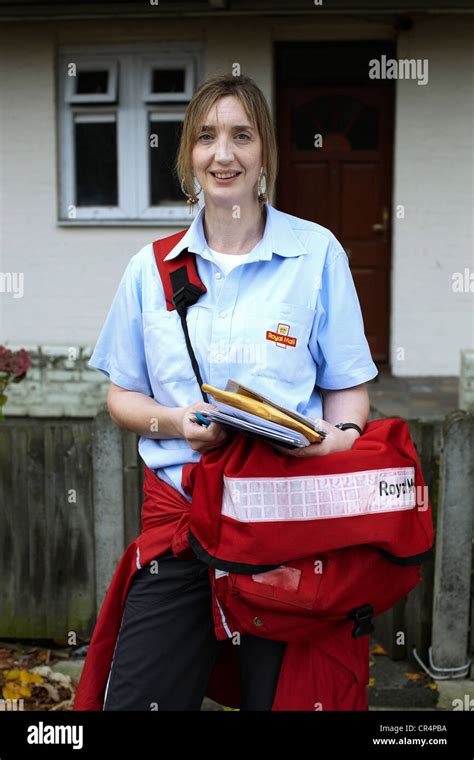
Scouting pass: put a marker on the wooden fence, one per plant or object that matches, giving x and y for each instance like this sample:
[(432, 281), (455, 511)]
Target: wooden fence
[(63, 523), (71, 492)]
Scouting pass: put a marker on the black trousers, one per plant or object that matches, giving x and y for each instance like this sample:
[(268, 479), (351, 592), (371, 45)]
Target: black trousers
[(166, 648)]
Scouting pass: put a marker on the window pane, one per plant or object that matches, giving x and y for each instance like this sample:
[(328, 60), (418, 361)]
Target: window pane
[(92, 82), (168, 80), (331, 116), (364, 134), (96, 163), (164, 141)]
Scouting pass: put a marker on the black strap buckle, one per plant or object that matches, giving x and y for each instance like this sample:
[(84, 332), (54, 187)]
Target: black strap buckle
[(186, 295), (363, 620)]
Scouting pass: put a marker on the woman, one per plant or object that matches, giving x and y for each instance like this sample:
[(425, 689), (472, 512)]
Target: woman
[(265, 272)]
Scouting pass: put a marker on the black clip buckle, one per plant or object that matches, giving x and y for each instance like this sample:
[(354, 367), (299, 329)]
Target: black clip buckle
[(186, 295), (363, 620)]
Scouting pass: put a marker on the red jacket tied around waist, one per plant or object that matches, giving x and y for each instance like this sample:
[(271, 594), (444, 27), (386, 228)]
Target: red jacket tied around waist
[(303, 550)]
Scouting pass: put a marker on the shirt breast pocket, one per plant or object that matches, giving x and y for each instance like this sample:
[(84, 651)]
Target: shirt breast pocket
[(278, 336), (165, 345)]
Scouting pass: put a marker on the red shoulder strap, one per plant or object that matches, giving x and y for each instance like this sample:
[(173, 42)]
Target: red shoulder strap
[(187, 259)]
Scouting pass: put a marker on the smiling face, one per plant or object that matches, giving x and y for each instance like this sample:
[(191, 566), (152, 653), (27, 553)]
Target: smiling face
[(227, 155)]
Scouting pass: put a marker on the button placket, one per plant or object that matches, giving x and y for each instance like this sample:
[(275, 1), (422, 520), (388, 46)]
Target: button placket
[(221, 329)]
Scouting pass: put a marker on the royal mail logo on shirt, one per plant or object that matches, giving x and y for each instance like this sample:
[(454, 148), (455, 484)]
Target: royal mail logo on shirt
[(282, 336)]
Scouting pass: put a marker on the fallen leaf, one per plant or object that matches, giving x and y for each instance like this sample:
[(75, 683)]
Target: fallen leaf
[(61, 677), (28, 677), (378, 649), (415, 676), (52, 691), (43, 670), (15, 691), (11, 675), (6, 658)]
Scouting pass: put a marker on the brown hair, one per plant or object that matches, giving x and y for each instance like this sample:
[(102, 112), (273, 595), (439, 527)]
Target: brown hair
[(256, 107)]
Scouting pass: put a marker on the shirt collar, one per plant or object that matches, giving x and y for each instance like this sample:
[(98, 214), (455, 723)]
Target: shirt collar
[(278, 238)]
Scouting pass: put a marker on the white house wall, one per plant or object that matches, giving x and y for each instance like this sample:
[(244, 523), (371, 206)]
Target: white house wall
[(433, 182)]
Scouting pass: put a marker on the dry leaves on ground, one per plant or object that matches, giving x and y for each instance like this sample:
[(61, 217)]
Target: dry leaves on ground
[(26, 676)]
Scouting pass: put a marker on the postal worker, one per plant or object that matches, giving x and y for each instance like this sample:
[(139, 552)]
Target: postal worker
[(266, 273)]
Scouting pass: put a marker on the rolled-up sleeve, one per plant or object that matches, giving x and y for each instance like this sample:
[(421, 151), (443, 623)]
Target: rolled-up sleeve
[(337, 341), (119, 352)]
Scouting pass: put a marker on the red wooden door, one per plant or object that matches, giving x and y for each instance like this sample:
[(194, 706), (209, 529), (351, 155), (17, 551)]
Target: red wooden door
[(335, 151)]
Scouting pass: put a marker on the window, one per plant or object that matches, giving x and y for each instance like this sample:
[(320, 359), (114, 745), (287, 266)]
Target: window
[(120, 118), (349, 119)]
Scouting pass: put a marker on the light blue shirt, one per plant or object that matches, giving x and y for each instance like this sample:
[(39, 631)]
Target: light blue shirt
[(285, 322)]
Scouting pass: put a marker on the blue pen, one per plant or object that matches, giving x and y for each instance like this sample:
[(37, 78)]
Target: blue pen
[(202, 420)]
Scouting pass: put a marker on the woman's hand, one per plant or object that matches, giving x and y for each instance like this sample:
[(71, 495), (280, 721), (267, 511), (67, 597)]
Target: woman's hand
[(200, 437), (336, 440)]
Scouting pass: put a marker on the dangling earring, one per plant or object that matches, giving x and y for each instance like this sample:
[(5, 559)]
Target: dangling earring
[(192, 199), (262, 191)]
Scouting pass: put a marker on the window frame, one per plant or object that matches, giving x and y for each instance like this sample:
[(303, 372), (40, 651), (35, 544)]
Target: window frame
[(92, 64), (132, 114), (148, 211), (148, 63)]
